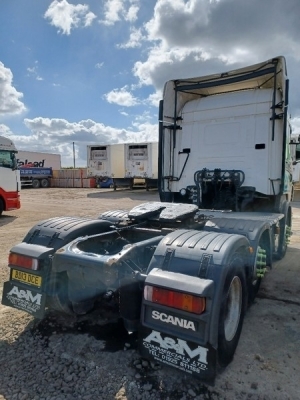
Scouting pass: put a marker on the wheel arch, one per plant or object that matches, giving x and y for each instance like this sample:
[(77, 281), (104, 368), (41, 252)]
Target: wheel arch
[(57, 232)]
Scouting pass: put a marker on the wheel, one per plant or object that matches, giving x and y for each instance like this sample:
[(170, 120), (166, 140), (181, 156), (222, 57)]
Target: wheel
[(1, 206), (233, 307), (285, 225), (45, 183), (57, 289), (259, 270), (36, 183)]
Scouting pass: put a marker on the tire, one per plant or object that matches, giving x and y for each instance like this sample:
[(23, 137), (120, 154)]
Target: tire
[(263, 258), (285, 225), (233, 307), (36, 183), (58, 299), (45, 183), (1, 207)]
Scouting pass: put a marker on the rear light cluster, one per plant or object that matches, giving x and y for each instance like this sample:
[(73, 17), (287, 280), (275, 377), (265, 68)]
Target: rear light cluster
[(171, 298), (18, 260)]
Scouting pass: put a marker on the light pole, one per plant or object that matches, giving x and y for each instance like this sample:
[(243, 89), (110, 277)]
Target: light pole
[(74, 155)]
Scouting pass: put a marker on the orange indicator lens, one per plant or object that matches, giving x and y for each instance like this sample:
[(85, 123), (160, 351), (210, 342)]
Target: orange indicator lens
[(23, 261)]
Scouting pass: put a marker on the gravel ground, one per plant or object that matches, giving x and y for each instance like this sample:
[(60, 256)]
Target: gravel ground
[(61, 358)]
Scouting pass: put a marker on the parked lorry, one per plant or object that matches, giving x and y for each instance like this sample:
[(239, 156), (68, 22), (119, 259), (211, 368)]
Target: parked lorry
[(141, 162), (35, 159), (35, 177), (295, 141), (9, 176), (105, 162), (180, 272)]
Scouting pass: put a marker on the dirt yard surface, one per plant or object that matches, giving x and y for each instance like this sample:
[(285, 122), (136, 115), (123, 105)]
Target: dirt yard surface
[(60, 359)]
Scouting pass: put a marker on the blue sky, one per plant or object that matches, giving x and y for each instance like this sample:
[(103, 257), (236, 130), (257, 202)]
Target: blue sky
[(93, 71)]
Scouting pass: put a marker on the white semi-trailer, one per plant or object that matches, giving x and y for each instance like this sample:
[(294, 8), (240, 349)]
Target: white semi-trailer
[(105, 161), (141, 162), (182, 271), (295, 149), (35, 159)]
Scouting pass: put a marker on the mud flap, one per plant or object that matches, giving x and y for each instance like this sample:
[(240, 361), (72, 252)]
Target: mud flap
[(30, 300), (189, 357), (174, 336)]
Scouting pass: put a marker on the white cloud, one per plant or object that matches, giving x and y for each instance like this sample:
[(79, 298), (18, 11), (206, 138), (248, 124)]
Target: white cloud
[(154, 98), (10, 98), (124, 113), (131, 14), (208, 26), (112, 11), (66, 16), (135, 39), (165, 63), (33, 71), (173, 17), (122, 97), (116, 10), (5, 131), (99, 65)]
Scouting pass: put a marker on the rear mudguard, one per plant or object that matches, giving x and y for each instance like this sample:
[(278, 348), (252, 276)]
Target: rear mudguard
[(202, 257), (41, 242), (56, 233), (195, 263), (25, 289), (176, 337)]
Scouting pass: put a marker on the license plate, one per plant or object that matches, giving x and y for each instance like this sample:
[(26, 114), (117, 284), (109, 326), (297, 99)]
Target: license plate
[(24, 277)]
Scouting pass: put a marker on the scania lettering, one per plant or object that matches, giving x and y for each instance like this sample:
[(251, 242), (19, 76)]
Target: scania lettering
[(169, 319), (9, 176), (182, 271)]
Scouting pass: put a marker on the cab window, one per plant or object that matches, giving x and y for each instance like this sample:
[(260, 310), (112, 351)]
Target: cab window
[(7, 159)]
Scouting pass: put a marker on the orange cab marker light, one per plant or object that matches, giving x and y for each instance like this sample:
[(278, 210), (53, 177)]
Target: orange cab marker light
[(171, 298), (18, 260)]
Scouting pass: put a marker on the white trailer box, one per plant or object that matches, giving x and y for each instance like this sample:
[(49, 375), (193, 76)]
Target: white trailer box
[(105, 161), (40, 160), (295, 152), (141, 160)]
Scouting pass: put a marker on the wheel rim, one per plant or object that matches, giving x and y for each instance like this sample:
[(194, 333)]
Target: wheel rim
[(233, 308), (260, 264)]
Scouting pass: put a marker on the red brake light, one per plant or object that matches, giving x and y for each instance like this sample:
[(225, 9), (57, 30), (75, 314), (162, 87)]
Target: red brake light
[(23, 261), (171, 298)]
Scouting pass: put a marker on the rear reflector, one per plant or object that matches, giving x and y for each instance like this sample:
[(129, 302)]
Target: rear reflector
[(18, 260), (171, 298)]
